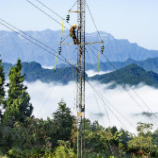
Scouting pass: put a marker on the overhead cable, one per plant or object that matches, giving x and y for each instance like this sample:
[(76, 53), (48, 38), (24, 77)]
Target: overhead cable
[(93, 19), (124, 87), (127, 83), (108, 101), (46, 14), (104, 123), (50, 9), (64, 59)]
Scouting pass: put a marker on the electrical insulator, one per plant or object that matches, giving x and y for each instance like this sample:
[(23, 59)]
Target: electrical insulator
[(60, 49), (82, 109), (68, 18), (102, 49)]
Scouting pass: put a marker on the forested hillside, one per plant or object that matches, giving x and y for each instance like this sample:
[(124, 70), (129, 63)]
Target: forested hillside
[(150, 64), (23, 135), (131, 74)]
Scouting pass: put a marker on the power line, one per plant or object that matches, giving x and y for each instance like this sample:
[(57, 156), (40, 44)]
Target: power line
[(73, 6), (64, 60), (54, 11), (103, 122), (46, 14), (31, 36), (93, 19), (110, 103), (100, 91), (113, 106), (121, 84), (49, 9), (103, 98), (28, 35), (127, 83)]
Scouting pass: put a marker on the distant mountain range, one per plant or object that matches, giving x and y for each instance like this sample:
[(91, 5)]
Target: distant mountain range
[(131, 74), (150, 64), (33, 72), (13, 46)]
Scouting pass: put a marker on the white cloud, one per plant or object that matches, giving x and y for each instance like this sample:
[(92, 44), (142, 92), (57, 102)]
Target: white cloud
[(92, 73), (48, 67), (53, 93)]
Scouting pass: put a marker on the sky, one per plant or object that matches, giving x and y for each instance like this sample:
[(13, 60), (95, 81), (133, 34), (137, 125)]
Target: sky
[(135, 20)]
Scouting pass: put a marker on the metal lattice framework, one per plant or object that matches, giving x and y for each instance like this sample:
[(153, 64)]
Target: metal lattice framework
[(80, 99)]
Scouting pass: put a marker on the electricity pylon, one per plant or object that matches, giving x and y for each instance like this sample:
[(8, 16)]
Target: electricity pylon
[(80, 76), (80, 100)]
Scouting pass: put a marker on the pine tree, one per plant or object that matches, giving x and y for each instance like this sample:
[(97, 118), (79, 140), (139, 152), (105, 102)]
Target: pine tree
[(2, 91), (63, 121), (17, 106)]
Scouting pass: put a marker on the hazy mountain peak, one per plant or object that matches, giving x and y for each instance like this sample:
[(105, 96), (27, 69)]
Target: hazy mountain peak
[(13, 46), (104, 35)]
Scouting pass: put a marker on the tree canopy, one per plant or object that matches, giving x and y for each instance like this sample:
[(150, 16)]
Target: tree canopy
[(17, 105)]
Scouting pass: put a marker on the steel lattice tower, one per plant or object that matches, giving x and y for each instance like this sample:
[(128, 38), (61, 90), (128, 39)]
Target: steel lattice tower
[(80, 75), (80, 99)]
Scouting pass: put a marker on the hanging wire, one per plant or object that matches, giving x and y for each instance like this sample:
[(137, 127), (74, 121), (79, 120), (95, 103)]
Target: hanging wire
[(64, 59), (103, 99), (125, 89), (126, 82), (100, 91), (109, 102), (73, 6), (26, 35), (106, 111), (93, 19), (54, 11), (103, 122), (47, 14), (112, 105), (50, 9)]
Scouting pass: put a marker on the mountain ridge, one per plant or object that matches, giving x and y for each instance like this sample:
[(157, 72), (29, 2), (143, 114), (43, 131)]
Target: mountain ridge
[(131, 74), (148, 64), (12, 47)]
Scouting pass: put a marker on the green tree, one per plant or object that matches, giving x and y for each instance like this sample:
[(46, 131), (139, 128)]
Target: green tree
[(17, 106), (64, 150), (142, 144), (144, 129), (63, 123), (2, 91)]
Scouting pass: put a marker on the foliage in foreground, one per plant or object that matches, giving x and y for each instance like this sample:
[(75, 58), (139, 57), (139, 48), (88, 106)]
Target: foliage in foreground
[(24, 136)]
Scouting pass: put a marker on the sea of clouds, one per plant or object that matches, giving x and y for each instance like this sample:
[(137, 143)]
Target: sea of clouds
[(92, 73), (46, 96)]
